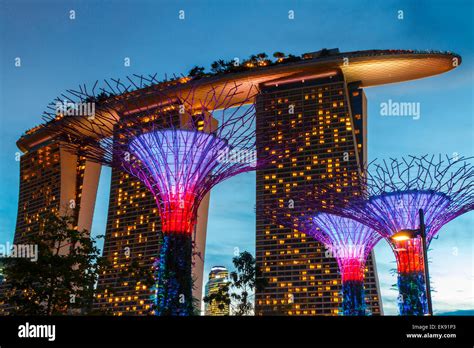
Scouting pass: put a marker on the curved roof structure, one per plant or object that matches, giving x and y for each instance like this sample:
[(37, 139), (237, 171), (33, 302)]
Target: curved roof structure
[(369, 68)]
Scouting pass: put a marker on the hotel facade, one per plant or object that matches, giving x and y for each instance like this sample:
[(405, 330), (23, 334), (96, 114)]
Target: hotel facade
[(326, 121)]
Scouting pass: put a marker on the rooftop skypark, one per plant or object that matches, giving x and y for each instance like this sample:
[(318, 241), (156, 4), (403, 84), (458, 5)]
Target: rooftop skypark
[(370, 67)]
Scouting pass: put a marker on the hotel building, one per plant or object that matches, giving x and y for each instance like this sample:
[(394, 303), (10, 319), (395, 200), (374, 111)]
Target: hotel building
[(54, 180), (326, 122)]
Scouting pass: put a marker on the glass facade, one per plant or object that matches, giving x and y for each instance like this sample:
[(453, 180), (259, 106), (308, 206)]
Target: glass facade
[(218, 277)]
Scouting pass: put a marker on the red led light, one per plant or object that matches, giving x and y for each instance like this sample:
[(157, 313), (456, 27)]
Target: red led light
[(178, 215), (351, 269)]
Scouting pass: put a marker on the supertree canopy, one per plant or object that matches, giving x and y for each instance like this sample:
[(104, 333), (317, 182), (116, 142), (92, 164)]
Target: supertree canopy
[(173, 164), (400, 199), (350, 242), (179, 144), (347, 240)]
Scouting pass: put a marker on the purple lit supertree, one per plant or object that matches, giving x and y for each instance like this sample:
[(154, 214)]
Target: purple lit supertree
[(408, 201), (179, 144), (347, 240)]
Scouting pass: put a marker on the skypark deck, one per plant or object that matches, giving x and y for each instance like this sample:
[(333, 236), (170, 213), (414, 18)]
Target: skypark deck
[(370, 68)]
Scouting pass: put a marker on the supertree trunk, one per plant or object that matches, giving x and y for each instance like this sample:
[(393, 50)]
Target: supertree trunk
[(174, 284), (412, 294), (173, 276), (412, 298), (353, 298), (353, 294)]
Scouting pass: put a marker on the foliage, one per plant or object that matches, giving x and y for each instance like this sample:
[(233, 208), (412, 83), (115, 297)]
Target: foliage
[(62, 280), (221, 66), (278, 55), (243, 282), (221, 296), (412, 299), (174, 281), (197, 71), (353, 302)]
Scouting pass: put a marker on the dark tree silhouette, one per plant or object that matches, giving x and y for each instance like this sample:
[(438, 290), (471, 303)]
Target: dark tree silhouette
[(62, 279), (279, 55), (243, 282), (197, 71)]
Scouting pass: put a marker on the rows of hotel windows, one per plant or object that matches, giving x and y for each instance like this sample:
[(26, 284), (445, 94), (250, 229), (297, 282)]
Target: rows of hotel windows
[(318, 122), (39, 189), (131, 235)]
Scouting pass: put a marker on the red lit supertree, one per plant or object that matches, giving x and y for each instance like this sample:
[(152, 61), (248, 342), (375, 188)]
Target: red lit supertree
[(408, 201), (347, 240), (179, 142)]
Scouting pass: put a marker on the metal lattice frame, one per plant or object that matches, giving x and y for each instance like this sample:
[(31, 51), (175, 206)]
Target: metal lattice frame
[(171, 145), (179, 143), (388, 198), (345, 238)]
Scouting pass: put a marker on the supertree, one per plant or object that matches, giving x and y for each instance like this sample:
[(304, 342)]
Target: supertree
[(347, 240), (408, 201), (179, 143)]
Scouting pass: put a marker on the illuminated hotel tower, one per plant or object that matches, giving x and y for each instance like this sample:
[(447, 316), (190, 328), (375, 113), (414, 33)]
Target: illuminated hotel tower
[(325, 121), (133, 234), (54, 180), (218, 277)]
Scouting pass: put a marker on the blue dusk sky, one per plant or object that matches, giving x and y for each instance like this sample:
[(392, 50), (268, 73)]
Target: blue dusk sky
[(58, 53)]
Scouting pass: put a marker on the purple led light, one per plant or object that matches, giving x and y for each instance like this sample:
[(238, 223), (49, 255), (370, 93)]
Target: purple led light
[(179, 145), (399, 210), (390, 194), (174, 162), (347, 238)]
